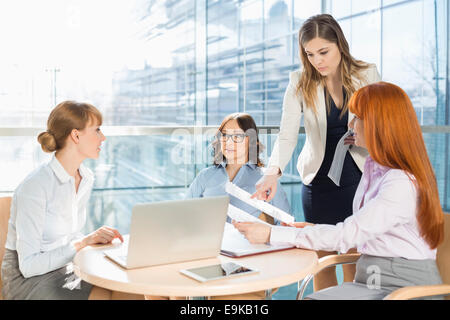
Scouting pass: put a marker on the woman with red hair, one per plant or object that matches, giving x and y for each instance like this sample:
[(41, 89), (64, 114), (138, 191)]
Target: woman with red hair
[(397, 220)]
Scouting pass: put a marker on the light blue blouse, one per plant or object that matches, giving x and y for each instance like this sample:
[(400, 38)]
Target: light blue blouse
[(210, 182)]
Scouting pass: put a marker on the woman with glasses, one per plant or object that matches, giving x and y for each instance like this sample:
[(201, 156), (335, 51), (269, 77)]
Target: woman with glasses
[(319, 92), (236, 159)]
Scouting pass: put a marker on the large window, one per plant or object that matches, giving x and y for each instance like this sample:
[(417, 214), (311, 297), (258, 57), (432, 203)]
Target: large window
[(182, 66)]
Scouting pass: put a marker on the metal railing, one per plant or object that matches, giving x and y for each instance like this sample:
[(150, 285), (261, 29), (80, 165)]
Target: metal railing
[(114, 131)]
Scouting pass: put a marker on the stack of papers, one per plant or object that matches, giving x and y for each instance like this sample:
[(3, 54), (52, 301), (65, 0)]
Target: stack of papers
[(234, 244), (239, 215)]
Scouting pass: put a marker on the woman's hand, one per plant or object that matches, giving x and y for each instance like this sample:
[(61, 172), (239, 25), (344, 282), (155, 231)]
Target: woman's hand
[(266, 187), (102, 235), (255, 232), (298, 224), (349, 140)]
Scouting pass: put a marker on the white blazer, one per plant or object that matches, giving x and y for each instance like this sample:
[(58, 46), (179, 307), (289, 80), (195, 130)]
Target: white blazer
[(313, 152)]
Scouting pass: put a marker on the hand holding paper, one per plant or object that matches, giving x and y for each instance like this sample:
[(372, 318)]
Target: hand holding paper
[(265, 207), (266, 187), (239, 215), (234, 244), (338, 160), (255, 233)]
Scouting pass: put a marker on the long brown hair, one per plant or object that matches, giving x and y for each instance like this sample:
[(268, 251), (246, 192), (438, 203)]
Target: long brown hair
[(65, 117), (248, 125), (394, 139), (324, 26)]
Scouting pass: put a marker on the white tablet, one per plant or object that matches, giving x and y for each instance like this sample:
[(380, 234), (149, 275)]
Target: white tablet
[(217, 271)]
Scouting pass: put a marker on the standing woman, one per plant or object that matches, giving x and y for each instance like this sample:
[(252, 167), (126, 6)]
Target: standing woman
[(48, 212), (320, 92)]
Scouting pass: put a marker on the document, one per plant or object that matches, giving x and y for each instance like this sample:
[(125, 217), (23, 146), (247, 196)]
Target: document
[(242, 216), (265, 207), (234, 244), (338, 160)]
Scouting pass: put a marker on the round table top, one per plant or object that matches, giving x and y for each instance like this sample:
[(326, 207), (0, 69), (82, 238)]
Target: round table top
[(276, 269)]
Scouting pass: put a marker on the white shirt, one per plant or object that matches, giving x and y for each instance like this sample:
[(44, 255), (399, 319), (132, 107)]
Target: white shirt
[(47, 216), (384, 221)]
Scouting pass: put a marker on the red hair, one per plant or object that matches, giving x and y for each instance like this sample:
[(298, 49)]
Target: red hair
[(394, 139)]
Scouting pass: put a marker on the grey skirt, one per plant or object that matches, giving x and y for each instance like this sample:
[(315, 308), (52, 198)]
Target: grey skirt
[(376, 277), (61, 284)]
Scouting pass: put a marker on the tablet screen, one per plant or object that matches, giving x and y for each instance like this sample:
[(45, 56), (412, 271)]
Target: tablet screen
[(217, 271)]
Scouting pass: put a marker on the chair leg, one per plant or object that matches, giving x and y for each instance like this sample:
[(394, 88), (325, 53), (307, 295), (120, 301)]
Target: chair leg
[(302, 286)]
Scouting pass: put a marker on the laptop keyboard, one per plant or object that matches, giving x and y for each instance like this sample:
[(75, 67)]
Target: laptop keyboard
[(122, 253), (119, 254)]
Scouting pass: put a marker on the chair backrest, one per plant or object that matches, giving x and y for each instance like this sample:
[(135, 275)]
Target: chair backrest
[(443, 252), (5, 205)]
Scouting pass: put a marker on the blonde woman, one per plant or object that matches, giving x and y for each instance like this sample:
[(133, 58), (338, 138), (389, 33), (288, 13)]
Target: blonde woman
[(320, 92), (48, 211)]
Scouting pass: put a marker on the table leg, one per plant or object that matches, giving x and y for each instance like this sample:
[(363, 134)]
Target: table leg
[(268, 294), (198, 298)]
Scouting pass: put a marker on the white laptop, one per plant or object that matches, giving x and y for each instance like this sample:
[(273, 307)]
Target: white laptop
[(173, 231)]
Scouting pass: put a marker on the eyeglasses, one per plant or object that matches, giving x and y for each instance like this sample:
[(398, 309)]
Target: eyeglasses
[(236, 138)]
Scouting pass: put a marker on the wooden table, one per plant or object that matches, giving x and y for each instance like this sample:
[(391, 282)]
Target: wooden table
[(276, 269)]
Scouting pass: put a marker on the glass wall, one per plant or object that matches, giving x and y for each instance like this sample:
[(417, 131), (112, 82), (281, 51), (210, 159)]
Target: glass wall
[(186, 64), (248, 48)]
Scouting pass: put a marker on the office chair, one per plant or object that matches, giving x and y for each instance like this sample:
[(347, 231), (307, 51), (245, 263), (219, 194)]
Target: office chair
[(5, 204), (406, 293)]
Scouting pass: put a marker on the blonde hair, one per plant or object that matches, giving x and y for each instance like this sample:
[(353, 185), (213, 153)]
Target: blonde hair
[(65, 117), (324, 26)]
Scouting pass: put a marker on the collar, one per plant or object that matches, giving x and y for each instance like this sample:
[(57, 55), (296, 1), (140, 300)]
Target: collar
[(62, 174), (374, 168), (223, 164), (85, 172)]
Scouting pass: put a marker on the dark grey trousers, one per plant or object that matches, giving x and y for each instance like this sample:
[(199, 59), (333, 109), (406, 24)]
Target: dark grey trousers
[(61, 284), (376, 277)]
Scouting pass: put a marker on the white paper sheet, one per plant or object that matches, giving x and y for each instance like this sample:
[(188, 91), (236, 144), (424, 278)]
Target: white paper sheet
[(235, 244), (265, 207), (338, 159), (242, 216)]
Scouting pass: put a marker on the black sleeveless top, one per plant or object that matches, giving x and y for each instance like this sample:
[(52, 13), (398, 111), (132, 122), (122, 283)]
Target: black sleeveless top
[(336, 128)]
